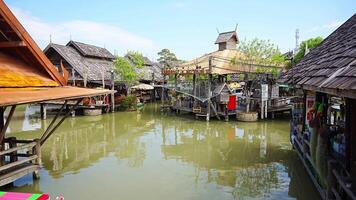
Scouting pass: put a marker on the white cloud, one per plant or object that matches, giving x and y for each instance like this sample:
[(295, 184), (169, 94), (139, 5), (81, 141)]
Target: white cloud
[(100, 34), (330, 26)]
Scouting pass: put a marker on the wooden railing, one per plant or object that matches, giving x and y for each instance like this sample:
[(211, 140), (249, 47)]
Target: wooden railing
[(339, 186), (19, 157)]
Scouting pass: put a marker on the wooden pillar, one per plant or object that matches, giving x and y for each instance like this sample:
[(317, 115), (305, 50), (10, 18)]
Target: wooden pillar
[(37, 150), (162, 91), (175, 82), (43, 111), (12, 144), (73, 77), (262, 109), (351, 139), (209, 89), (194, 84), (332, 182), (112, 95)]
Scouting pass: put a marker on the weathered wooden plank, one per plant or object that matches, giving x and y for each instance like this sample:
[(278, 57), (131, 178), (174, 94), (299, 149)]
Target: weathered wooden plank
[(349, 193), (11, 44), (18, 173), (29, 145), (14, 164)]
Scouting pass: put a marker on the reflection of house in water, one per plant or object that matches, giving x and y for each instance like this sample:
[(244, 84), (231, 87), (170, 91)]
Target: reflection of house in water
[(81, 142), (243, 159)]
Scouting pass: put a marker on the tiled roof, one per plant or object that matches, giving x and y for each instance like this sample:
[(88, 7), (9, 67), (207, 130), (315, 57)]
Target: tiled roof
[(331, 65)]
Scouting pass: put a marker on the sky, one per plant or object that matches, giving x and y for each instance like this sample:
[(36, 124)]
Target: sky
[(187, 28)]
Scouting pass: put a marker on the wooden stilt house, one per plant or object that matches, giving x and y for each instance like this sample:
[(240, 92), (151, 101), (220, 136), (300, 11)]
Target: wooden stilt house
[(195, 81), (27, 76), (323, 129), (88, 65)]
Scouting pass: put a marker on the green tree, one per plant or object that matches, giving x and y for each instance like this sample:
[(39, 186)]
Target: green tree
[(257, 51), (312, 43), (136, 58), (126, 72), (166, 57)]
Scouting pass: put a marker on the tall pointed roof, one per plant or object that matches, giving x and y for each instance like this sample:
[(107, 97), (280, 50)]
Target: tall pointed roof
[(15, 42), (26, 74), (226, 36)]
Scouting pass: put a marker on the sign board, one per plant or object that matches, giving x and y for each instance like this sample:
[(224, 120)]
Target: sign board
[(264, 92), (275, 91)]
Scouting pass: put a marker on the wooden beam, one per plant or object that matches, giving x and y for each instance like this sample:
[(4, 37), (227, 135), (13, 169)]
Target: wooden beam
[(16, 174), (26, 146), (12, 44), (4, 128)]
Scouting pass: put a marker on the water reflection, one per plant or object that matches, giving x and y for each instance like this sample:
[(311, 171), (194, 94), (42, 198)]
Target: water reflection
[(179, 157)]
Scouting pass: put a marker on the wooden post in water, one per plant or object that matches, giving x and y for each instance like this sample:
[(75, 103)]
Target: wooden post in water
[(43, 110), (209, 89), (37, 151), (162, 89), (112, 88)]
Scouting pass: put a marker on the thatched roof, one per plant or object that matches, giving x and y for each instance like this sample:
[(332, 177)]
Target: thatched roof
[(92, 66), (226, 36), (330, 67), (223, 62), (88, 50)]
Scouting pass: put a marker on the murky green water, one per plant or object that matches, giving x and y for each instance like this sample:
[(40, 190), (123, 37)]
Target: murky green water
[(151, 155)]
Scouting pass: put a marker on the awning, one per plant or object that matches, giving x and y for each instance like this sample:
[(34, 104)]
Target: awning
[(17, 96), (142, 86)]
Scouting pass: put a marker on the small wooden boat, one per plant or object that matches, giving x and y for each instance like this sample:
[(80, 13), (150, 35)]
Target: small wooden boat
[(22, 196)]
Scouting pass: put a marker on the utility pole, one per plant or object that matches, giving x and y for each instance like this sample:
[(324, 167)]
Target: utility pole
[(296, 41)]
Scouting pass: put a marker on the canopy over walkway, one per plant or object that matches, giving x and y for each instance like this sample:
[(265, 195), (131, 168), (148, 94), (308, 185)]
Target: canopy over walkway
[(223, 62)]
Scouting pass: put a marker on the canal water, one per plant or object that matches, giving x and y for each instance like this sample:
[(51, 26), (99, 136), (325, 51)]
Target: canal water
[(153, 155)]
